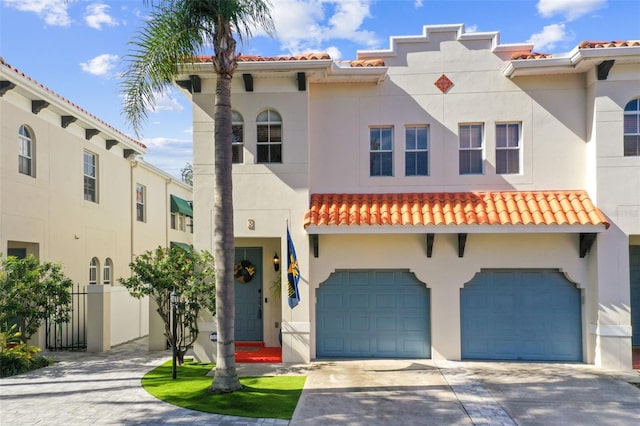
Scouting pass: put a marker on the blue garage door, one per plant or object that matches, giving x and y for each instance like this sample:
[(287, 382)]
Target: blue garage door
[(530, 315), (373, 314), (634, 263)]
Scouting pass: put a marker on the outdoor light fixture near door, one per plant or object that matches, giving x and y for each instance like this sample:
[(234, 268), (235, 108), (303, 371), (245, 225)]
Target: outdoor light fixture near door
[(276, 262), (174, 299)]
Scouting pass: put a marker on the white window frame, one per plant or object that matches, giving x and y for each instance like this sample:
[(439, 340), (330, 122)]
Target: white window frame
[(633, 114), (471, 149), (107, 272), (94, 271), (90, 176), (377, 149), (271, 119), (505, 147), (237, 126), (25, 151), (141, 203), (415, 149)]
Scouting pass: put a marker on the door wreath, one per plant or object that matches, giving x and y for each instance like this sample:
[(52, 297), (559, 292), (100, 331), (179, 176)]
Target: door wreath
[(244, 271)]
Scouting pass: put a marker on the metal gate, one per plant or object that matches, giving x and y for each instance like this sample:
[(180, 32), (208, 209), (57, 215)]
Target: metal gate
[(71, 335)]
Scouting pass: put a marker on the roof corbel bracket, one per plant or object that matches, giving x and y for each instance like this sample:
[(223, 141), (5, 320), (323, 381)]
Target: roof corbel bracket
[(586, 241), (5, 86), (66, 120), (302, 82), (196, 83), (430, 238), (126, 153), (38, 105), (185, 84), (89, 133), (603, 69), (111, 143), (462, 242), (315, 242), (248, 82)]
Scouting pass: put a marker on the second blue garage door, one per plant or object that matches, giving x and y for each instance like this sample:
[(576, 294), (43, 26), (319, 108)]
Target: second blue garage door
[(372, 314), (530, 315)]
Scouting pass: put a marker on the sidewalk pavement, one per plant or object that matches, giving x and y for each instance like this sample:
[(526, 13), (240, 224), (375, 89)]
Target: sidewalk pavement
[(104, 389), (100, 389)]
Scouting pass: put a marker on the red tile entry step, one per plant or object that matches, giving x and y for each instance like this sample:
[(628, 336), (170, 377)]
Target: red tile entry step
[(256, 352), (636, 358)]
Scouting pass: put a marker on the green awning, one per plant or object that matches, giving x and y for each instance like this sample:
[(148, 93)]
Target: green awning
[(178, 205), (184, 246)]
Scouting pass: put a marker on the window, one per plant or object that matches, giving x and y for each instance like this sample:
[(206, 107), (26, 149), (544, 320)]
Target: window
[(237, 130), (94, 266), (141, 196), (508, 148), (107, 271), (25, 152), (416, 156), (178, 221), (381, 151), (471, 149), (90, 177), (632, 128), (269, 137)]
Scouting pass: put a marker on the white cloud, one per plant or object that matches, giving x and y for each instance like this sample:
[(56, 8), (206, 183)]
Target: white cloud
[(471, 29), (549, 37), (100, 65), (97, 15), (417, 4), (570, 9), (167, 102), (310, 25), (54, 12)]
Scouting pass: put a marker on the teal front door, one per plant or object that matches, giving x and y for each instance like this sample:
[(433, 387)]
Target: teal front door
[(513, 314), (634, 263), (248, 319)]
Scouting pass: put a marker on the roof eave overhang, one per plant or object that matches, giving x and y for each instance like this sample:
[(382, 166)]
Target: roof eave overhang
[(62, 106), (578, 61), (455, 229)]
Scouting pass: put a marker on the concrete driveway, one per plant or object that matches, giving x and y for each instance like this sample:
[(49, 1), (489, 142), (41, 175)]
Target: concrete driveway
[(423, 392)]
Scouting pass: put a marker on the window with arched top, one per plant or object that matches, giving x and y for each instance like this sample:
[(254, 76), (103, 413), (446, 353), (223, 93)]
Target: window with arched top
[(107, 271), (94, 267), (269, 142), (632, 128), (237, 129), (25, 151)]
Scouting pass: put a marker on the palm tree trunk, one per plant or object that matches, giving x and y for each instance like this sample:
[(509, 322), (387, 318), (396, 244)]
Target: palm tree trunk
[(226, 378)]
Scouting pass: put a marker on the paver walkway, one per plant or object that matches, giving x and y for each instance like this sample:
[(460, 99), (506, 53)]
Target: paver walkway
[(100, 389)]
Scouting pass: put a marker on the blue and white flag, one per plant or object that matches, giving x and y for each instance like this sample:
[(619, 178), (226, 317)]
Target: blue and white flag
[(293, 273)]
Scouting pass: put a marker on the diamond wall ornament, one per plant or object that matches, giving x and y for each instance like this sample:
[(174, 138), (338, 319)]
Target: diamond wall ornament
[(443, 83)]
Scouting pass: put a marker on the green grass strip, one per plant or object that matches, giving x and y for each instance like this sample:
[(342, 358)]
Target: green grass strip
[(261, 397)]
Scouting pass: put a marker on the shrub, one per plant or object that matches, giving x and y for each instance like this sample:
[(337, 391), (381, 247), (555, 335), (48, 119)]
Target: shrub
[(16, 357)]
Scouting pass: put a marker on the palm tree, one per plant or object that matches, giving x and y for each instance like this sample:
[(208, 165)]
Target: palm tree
[(176, 31)]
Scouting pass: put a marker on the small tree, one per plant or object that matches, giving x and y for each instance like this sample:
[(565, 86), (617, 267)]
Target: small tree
[(186, 174), (156, 273), (30, 292)]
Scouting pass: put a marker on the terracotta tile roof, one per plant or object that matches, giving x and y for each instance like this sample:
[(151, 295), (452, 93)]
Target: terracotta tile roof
[(462, 208), (305, 57), (65, 100), (258, 58), (529, 55), (367, 63), (603, 44)]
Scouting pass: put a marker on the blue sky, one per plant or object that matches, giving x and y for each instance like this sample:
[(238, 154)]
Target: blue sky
[(77, 47)]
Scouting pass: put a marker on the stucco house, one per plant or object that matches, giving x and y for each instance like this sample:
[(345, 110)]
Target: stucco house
[(450, 197), (74, 190)]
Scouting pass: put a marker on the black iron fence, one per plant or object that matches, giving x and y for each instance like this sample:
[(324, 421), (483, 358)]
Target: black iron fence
[(71, 335)]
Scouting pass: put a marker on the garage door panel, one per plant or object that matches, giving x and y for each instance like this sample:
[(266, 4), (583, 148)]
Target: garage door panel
[(529, 315), (394, 322)]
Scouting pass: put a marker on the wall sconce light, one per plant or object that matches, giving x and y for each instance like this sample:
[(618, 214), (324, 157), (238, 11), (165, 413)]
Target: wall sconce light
[(276, 262)]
